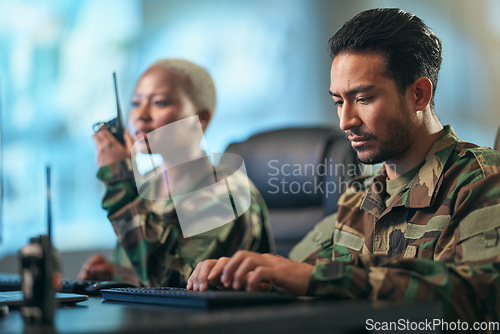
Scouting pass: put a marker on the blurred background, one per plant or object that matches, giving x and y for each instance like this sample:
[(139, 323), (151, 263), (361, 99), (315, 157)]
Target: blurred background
[(269, 61)]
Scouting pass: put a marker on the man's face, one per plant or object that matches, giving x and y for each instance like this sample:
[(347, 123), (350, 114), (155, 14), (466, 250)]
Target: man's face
[(374, 115), (159, 99)]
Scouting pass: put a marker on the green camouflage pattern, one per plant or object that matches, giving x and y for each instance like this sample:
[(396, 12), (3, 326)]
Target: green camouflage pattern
[(439, 240), (151, 250)]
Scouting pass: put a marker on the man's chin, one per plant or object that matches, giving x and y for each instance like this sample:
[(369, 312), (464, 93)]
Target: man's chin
[(367, 157)]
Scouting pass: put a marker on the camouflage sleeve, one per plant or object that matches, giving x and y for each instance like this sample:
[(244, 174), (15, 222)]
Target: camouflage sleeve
[(120, 185), (250, 231), (316, 244), (463, 275), (152, 250), (141, 233)]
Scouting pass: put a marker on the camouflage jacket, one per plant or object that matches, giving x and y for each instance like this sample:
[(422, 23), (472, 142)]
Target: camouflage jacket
[(151, 249), (437, 241)]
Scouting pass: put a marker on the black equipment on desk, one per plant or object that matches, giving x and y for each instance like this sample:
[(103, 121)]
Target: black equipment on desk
[(190, 298), (114, 126), (12, 282), (39, 264), (40, 270), (16, 298)]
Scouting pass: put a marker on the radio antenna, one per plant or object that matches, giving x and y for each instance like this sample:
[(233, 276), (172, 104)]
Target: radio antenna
[(49, 202), (118, 109)]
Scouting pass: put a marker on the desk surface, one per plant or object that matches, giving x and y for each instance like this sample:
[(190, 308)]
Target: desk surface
[(313, 316)]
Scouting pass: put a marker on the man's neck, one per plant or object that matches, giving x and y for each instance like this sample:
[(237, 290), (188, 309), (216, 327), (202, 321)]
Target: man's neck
[(417, 151)]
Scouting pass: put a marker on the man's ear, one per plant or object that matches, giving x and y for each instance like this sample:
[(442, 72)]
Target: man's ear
[(205, 116), (423, 92)]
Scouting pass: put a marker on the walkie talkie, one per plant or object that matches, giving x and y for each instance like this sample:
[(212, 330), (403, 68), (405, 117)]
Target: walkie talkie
[(114, 126), (40, 272)]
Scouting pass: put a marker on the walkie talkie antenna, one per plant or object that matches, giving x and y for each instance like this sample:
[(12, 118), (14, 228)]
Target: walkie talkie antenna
[(49, 203), (118, 109)]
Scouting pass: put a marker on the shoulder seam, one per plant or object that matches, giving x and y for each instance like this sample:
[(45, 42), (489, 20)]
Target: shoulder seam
[(487, 167)]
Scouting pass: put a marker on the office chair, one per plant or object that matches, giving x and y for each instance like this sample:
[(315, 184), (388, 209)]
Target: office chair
[(301, 173)]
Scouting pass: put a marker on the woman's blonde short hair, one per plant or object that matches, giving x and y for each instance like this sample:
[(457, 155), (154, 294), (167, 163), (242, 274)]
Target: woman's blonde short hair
[(199, 84)]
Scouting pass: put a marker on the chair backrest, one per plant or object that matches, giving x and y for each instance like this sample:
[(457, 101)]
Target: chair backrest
[(301, 173)]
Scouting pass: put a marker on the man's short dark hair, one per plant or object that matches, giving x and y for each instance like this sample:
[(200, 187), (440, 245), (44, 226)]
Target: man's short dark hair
[(411, 49)]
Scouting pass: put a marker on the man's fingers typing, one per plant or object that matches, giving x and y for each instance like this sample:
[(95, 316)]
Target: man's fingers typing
[(216, 271), (206, 267), (259, 279), (245, 267), (231, 266)]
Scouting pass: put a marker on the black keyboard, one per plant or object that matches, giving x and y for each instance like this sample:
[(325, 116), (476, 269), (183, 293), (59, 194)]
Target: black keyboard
[(189, 298)]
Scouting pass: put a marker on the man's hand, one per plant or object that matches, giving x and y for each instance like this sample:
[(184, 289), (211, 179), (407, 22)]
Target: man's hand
[(207, 272), (97, 267), (253, 272), (108, 149)]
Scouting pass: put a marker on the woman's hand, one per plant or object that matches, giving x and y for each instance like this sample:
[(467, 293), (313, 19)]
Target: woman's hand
[(108, 149), (96, 268)]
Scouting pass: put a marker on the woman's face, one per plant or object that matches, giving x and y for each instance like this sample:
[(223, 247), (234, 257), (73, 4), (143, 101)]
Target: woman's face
[(159, 99)]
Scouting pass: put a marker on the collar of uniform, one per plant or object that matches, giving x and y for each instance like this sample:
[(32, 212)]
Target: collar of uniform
[(420, 191), (424, 186)]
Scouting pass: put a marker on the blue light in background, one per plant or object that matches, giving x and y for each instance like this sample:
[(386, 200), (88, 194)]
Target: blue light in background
[(58, 75), (268, 59), (56, 72)]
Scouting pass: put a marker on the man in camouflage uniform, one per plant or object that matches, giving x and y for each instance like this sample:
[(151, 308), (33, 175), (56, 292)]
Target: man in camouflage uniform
[(426, 227), (151, 249)]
